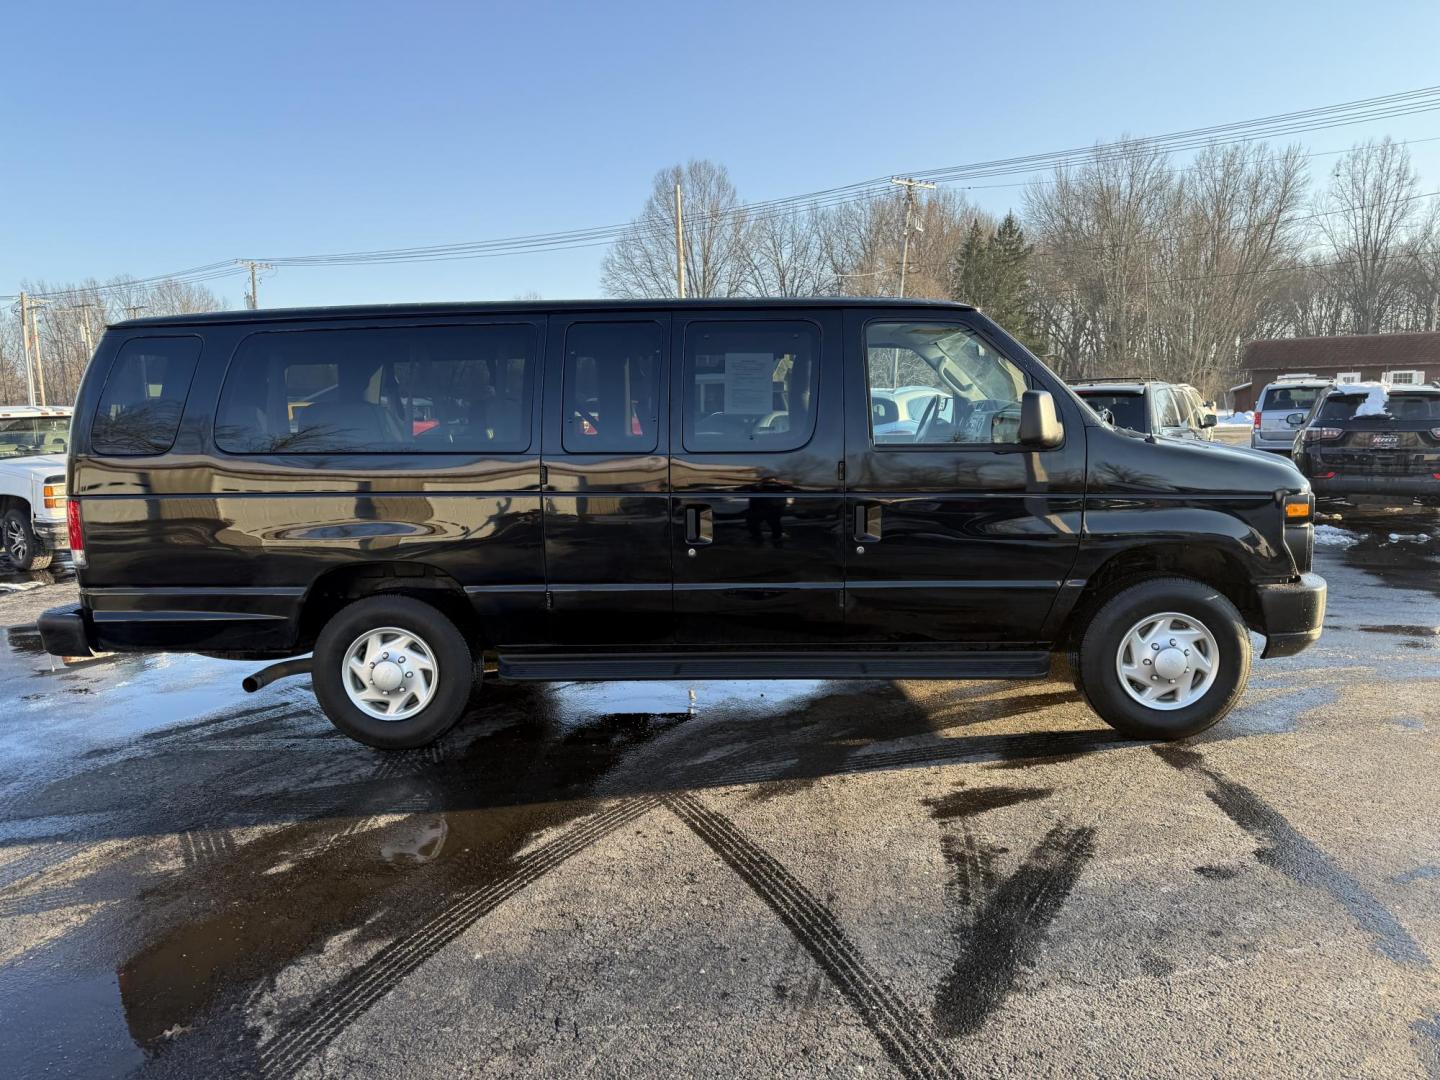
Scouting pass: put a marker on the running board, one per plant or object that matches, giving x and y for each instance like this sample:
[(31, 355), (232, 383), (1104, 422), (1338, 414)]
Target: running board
[(552, 667)]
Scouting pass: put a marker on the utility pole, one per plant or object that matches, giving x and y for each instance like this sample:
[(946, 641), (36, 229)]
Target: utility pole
[(679, 242), (909, 184), (39, 365), (133, 310), (252, 299), (25, 347)]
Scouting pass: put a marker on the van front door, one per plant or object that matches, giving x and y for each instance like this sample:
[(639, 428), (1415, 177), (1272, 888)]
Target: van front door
[(756, 439), (607, 499), (956, 533)]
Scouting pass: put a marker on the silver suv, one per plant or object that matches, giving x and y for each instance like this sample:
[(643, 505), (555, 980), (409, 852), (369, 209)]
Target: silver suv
[(1281, 410)]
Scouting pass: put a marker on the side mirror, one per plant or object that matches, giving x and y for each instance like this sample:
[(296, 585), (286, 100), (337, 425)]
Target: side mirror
[(1039, 423), (1208, 419), (1296, 419)]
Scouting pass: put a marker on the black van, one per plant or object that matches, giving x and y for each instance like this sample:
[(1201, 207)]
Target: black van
[(660, 489)]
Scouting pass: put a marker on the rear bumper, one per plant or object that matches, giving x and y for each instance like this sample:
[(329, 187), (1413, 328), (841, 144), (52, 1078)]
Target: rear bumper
[(64, 632), (1294, 614), (1283, 445), (1402, 487)]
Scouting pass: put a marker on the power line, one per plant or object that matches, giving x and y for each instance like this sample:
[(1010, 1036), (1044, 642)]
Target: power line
[(1366, 110)]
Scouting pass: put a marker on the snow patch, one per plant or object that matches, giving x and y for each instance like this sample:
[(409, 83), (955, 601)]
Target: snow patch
[(1237, 419), (1377, 399), (1331, 537)]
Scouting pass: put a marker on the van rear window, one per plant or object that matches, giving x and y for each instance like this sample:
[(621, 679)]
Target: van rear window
[(140, 407), (430, 389)]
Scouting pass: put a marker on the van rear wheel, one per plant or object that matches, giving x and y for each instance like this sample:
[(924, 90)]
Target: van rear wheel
[(1164, 659), (392, 672)]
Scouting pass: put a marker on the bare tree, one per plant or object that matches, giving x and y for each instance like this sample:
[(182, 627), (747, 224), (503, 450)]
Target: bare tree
[(783, 255), (1094, 225), (642, 261), (71, 319), (1364, 217)]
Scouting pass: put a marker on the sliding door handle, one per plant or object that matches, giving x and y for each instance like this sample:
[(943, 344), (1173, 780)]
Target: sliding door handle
[(699, 526), (867, 523)]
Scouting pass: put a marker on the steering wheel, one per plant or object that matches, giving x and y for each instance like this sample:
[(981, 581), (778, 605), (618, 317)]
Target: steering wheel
[(927, 418)]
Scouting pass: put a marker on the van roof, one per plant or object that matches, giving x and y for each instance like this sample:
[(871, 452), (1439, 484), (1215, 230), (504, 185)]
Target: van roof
[(464, 307)]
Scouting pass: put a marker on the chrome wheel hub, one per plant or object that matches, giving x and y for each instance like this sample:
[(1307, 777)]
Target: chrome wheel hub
[(1168, 661), (389, 673)]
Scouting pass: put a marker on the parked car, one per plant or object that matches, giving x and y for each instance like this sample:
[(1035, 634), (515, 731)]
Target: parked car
[(1149, 406), (659, 489), (1274, 426), (33, 441), (1367, 442)]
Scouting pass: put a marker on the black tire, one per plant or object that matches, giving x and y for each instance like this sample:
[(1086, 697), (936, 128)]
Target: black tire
[(1100, 682), (22, 545), (454, 665)]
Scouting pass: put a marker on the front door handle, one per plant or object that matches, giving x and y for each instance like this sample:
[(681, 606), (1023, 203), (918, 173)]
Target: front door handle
[(699, 526), (867, 523)]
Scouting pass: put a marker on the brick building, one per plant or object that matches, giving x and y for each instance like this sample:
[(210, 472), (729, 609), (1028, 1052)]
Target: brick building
[(1390, 358)]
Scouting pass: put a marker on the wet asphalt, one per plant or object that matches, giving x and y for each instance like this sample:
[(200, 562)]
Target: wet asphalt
[(720, 879)]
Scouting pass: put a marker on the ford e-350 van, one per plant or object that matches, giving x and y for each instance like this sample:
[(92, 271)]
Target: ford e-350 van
[(660, 489)]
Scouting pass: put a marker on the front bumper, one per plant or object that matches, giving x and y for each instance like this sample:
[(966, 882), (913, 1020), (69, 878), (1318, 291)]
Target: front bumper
[(1419, 486), (55, 535), (1294, 613), (64, 632)]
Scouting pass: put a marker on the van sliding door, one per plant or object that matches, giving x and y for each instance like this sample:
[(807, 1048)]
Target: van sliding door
[(607, 484)]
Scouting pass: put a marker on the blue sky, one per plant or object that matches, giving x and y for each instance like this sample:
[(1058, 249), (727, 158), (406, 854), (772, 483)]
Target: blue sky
[(146, 137)]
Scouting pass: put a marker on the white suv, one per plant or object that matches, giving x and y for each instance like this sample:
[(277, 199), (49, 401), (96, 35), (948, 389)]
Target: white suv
[(33, 443), (1276, 408)]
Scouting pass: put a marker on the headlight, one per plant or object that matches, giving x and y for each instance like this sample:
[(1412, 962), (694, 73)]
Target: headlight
[(53, 492)]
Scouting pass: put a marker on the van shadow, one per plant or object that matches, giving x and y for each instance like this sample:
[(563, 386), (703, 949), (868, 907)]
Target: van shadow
[(378, 847)]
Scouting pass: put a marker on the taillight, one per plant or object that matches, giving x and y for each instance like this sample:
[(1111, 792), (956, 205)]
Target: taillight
[(77, 534), (1326, 476), (1257, 419), (1323, 434)]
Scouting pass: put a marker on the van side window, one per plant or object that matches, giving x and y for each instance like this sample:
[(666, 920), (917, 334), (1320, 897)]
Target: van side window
[(427, 389), (144, 396), (750, 386), (611, 387), (947, 385)]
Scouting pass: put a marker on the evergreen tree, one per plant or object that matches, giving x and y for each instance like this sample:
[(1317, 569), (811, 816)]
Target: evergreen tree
[(993, 273)]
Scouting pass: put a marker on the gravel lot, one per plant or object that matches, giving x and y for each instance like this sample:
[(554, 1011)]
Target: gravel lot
[(712, 879)]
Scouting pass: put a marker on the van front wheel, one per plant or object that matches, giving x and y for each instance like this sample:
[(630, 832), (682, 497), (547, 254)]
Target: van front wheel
[(1164, 659), (392, 672)]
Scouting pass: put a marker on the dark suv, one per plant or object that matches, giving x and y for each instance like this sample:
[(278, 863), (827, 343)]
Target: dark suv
[(597, 490), (1369, 442)]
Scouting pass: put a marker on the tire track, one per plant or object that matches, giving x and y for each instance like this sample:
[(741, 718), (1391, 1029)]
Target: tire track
[(906, 1037), (318, 1025)]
